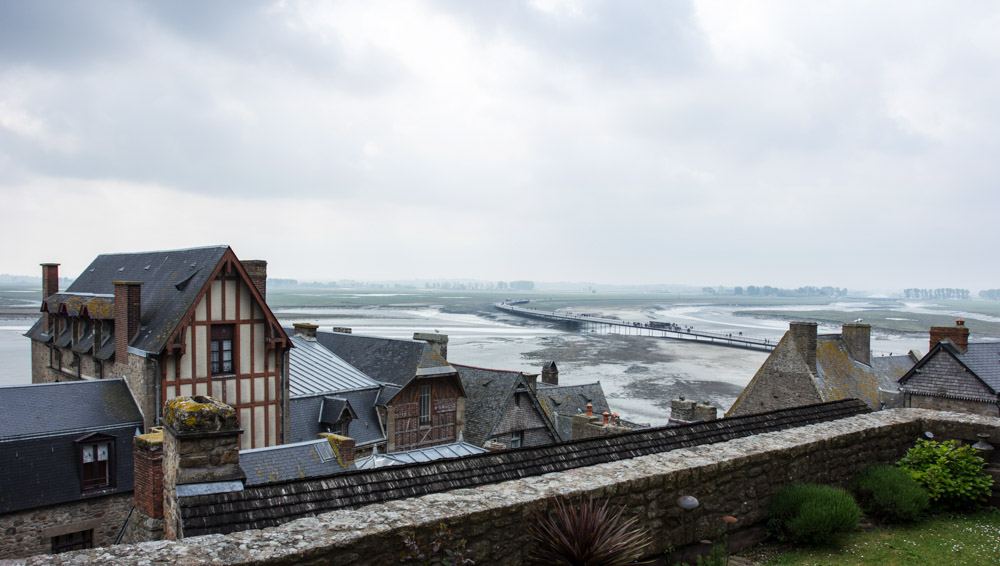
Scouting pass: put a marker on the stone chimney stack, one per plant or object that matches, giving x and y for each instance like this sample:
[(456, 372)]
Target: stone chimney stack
[(306, 330), (50, 286), (682, 410), (201, 450), (550, 373), (438, 342), (958, 335), (705, 412), (343, 448), (804, 335), (858, 338), (128, 313), (257, 270)]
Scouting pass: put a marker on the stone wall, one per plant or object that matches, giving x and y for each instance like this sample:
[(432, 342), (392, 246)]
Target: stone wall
[(30, 532), (946, 404), (728, 478)]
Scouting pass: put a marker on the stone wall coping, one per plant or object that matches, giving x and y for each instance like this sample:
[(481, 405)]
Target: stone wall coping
[(309, 538)]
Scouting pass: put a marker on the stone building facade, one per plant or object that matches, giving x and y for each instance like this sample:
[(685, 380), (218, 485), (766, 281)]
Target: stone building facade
[(171, 323), (806, 367), (92, 522)]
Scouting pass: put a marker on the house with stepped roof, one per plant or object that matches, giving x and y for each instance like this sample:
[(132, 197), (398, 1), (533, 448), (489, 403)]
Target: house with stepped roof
[(67, 475), (807, 367), (502, 410), (171, 323), (955, 375)]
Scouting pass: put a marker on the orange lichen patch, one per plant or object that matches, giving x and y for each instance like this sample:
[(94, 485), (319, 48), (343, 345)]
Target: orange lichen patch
[(844, 378)]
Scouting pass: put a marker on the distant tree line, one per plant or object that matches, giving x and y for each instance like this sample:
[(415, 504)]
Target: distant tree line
[(942, 293), (808, 291), (991, 294)]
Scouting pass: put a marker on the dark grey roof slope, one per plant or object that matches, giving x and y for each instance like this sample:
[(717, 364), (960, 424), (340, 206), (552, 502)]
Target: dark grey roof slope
[(382, 359), (306, 413), (561, 402), (39, 429), (314, 458), (50, 409), (889, 369), (983, 358), (264, 506), (315, 370), (171, 280)]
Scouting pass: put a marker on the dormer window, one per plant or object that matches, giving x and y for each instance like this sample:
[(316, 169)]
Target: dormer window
[(222, 349), (96, 454)]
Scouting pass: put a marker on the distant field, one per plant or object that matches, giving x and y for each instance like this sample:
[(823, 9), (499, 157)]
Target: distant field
[(885, 319)]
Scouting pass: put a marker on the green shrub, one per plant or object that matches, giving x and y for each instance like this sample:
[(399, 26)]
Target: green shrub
[(812, 514), (889, 493), (952, 474)]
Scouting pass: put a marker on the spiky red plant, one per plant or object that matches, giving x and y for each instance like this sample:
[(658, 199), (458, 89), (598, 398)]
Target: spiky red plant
[(588, 534)]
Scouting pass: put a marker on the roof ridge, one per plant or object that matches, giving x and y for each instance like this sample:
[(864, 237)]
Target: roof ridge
[(211, 247), (485, 369), (74, 382)]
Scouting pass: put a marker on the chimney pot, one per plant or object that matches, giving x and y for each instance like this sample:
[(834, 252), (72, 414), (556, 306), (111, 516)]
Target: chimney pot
[(590, 409), (804, 336), (438, 342), (306, 330), (606, 415), (958, 335), (257, 271), (128, 316)]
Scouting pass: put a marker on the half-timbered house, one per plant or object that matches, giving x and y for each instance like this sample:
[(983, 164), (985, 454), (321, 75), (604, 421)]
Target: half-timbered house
[(171, 323)]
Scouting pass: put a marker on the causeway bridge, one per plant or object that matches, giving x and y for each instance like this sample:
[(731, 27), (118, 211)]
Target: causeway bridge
[(641, 328)]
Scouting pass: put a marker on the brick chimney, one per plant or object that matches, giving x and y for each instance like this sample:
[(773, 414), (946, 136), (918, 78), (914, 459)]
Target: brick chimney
[(804, 335), (257, 270), (128, 311), (306, 330), (343, 448), (438, 342), (50, 286), (858, 338), (201, 445), (550, 373), (958, 335), (147, 459)]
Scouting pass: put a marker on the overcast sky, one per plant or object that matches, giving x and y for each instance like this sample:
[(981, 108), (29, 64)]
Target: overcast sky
[(846, 143)]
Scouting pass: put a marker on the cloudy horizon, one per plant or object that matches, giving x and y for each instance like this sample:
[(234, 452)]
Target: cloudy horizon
[(704, 142)]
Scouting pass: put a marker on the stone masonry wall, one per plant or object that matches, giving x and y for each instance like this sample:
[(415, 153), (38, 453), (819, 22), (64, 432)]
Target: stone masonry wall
[(736, 477), (30, 532), (946, 404)]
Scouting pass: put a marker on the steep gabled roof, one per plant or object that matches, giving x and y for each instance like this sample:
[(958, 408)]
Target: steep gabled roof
[(52, 409), (258, 507), (488, 393), (981, 361), (172, 281)]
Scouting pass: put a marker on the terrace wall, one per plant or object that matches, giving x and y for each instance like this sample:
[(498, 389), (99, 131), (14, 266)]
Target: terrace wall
[(736, 477)]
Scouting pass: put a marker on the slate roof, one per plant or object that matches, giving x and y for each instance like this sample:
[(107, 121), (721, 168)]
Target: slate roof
[(171, 281), (39, 429), (981, 359), (429, 454), (313, 370), (50, 409), (301, 460), (488, 393), (264, 506), (386, 360), (306, 414), (561, 402)]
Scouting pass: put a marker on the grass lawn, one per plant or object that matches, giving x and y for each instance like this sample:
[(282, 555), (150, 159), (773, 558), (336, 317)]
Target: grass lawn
[(943, 540)]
